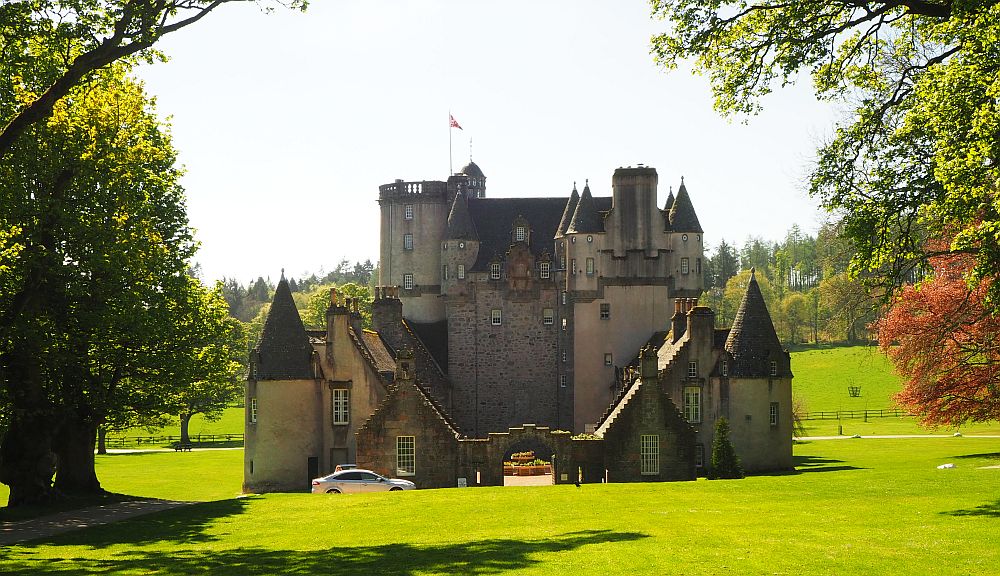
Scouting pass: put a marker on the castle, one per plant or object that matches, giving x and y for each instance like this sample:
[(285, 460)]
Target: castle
[(507, 322)]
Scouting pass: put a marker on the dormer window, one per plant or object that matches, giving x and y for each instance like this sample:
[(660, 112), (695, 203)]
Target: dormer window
[(495, 271), (520, 233)]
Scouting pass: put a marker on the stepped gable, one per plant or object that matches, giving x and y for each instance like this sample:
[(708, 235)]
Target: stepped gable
[(567, 215), (682, 215), (752, 341), (284, 351), (460, 225), (587, 218), (656, 341), (494, 218)]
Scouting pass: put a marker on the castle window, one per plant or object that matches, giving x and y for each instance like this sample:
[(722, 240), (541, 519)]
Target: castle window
[(650, 454), (692, 369), (699, 455), (564, 356), (520, 233), (684, 237), (496, 317), (444, 245), (562, 381), (773, 416), (406, 456), (692, 404), (408, 281), (564, 324), (495, 271), (543, 271), (461, 271), (607, 359), (774, 368), (548, 316), (444, 271), (341, 405), (407, 241), (253, 410), (572, 264), (590, 266), (685, 265), (408, 212), (564, 297), (725, 368), (253, 370), (605, 310), (697, 266)]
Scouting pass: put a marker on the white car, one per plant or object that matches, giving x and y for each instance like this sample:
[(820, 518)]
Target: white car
[(358, 480)]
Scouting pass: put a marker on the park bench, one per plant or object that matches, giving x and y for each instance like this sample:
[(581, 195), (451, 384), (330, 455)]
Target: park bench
[(182, 446)]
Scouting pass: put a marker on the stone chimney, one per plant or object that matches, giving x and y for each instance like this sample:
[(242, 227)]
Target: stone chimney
[(387, 315), (405, 368), (679, 321), (336, 326), (648, 363)]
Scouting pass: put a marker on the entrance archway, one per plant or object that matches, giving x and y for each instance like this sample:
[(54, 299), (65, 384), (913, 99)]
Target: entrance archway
[(541, 442)]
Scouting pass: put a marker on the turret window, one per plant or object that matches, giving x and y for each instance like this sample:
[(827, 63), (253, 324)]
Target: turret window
[(685, 265), (407, 241), (407, 281), (544, 270), (253, 410), (548, 316), (562, 381), (607, 359), (590, 266), (408, 212), (773, 415), (572, 264), (520, 233), (697, 266), (495, 271), (444, 272), (461, 272), (605, 310)]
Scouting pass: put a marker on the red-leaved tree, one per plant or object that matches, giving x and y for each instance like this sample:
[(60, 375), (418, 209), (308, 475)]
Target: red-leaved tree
[(943, 338)]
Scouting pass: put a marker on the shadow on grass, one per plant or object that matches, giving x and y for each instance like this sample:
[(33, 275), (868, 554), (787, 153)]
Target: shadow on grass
[(182, 525), (481, 557), (63, 503), (805, 464), (989, 510), (991, 455)]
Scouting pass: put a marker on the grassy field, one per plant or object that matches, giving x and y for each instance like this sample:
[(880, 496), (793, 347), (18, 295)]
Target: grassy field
[(854, 507), (823, 375), (231, 422)]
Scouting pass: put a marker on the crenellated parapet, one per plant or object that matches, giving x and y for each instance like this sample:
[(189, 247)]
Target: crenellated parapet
[(424, 189)]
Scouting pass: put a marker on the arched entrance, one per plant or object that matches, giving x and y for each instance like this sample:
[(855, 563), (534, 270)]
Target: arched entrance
[(526, 448)]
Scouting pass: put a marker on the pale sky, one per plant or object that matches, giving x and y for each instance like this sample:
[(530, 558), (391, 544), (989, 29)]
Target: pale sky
[(287, 123)]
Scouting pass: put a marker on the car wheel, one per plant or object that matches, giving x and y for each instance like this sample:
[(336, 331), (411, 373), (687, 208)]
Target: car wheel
[(394, 488), (333, 491)]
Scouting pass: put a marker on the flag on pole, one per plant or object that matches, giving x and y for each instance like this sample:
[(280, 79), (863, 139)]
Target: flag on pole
[(453, 122)]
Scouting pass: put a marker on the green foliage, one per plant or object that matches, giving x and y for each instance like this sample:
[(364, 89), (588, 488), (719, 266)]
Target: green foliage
[(318, 300), (725, 462)]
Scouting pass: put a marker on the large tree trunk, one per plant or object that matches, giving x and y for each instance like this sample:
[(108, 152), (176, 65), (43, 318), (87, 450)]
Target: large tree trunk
[(185, 420), (102, 435), (74, 448), (26, 460)]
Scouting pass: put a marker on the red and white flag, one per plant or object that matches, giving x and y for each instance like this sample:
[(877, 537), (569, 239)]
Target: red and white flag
[(453, 123)]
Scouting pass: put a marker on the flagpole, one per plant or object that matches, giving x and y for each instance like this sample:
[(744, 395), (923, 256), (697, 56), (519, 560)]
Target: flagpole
[(450, 172)]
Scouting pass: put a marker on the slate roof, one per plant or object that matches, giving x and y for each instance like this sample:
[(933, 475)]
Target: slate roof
[(670, 201), (752, 341), (567, 215), (434, 336), (494, 218), (587, 218), (682, 215), (472, 169), (460, 226), (382, 357), (284, 351)]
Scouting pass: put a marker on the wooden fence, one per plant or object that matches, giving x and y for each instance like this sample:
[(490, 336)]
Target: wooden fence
[(123, 441), (852, 414)]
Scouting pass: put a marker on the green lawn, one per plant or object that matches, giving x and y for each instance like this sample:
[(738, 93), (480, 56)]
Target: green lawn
[(855, 507), (822, 378), (231, 422)]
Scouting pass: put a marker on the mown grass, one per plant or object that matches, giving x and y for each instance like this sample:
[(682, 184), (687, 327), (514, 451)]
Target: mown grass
[(855, 507), (823, 375), (231, 422)]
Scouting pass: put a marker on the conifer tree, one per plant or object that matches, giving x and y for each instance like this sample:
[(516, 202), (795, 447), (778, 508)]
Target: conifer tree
[(725, 463)]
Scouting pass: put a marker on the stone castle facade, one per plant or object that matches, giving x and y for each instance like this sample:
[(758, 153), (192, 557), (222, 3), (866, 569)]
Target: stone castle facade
[(513, 323)]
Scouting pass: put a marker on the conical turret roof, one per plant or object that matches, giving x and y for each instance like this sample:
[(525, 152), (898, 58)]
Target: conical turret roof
[(752, 341), (460, 225), (670, 200), (682, 215), (586, 217), (284, 351), (567, 215)]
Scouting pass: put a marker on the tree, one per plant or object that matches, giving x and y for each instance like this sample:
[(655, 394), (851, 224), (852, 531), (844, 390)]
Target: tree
[(796, 312), (919, 157), (736, 288), (723, 265), (942, 337), (847, 306), (725, 462), (90, 35), (314, 313)]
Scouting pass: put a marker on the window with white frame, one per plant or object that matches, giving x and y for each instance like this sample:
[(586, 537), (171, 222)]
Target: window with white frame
[(548, 316), (605, 310), (650, 454), (520, 233), (407, 241), (562, 381), (685, 265), (564, 297), (564, 356), (253, 410), (406, 456), (461, 272), (495, 271), (590, 266), (407, 281), (496, 317), (699, 455), (544, 270), (773, 416), (692, 369), (563, 323), (341, 406), (692, 404), (774, 368), (408, 212), (572, 265)]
